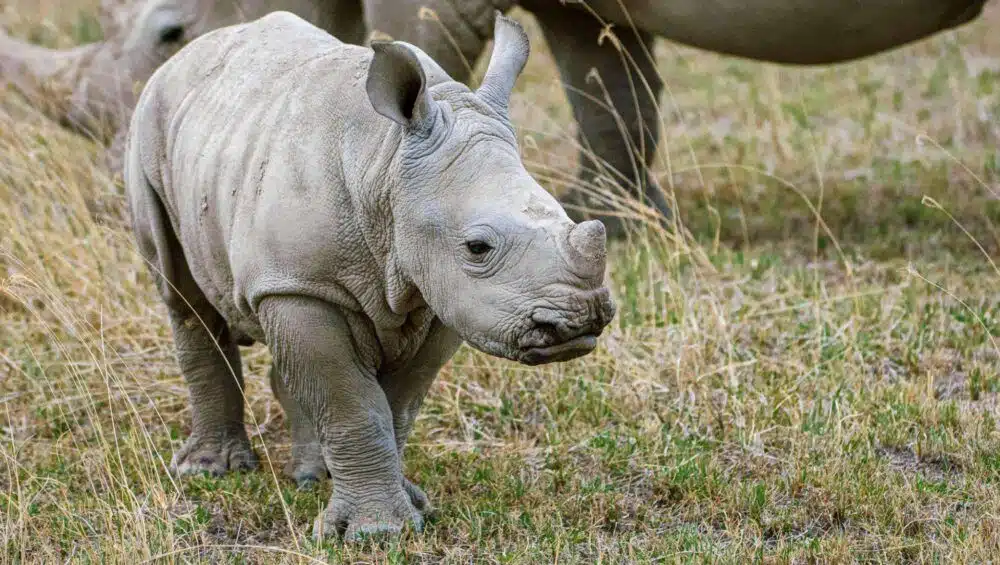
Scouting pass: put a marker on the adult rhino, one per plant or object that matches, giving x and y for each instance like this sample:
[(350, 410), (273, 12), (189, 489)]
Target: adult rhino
[(616, 114), (93, 88)]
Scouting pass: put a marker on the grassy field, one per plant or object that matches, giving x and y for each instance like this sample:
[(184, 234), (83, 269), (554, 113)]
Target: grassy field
[(808, 372)]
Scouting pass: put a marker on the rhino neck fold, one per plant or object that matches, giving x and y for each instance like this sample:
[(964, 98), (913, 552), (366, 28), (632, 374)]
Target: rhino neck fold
[(402, 322), (371, 171)]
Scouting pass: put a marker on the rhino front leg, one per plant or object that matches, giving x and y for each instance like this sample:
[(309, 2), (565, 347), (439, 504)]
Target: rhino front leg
[(615, 150), (405, 389), (314, 350), (307, 465)]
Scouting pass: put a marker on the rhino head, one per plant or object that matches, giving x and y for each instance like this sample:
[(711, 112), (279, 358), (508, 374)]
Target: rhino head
[(489, 250), (93, 88)]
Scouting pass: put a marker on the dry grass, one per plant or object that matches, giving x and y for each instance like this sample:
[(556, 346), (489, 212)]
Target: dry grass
[(809, 374)]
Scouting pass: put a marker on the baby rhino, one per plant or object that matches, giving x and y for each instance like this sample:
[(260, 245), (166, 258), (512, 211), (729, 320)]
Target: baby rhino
[(362, 214)]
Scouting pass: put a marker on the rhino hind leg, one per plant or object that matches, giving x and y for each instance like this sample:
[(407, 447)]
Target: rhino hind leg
[(206, 352), (306, 466), (218, 441), (617, 114)]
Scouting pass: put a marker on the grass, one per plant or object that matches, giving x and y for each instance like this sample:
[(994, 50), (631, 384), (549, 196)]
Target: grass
[(809, 373)]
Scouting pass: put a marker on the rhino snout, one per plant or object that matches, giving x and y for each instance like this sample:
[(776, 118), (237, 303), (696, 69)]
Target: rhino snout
[(561, 335)]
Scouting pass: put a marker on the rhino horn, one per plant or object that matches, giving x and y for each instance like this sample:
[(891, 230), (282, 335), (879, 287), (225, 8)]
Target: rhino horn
[(58, 83), (37, 72), (588, 242), (510, 53)]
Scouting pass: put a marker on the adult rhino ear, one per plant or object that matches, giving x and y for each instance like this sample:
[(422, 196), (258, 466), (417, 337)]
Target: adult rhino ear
[(510, 53), (397, 86)]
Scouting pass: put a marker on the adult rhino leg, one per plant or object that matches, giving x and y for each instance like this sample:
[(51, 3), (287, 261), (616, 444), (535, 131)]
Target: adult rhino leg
[(206, 352), (452, 32), (306, 466), (313, 349), (344, 19), (405, 389), (617, 114)]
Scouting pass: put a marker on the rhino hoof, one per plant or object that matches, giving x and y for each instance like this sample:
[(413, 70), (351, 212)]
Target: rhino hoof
[(214, 456), (419, 500), (307, 467), (368, 521)]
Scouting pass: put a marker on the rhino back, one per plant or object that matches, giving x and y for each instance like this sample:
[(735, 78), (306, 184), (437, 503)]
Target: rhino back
[(246, 140)]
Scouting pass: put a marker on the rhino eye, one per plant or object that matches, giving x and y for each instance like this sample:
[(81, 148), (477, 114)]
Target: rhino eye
[(478, 247), (172, 34)]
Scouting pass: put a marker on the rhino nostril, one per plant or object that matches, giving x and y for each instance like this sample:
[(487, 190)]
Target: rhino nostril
[(549, 329)]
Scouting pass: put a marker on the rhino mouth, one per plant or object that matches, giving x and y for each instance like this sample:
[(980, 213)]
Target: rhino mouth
[(557, 335), (571, 349)]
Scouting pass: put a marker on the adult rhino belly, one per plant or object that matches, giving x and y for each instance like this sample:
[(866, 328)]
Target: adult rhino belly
[(788, 31)]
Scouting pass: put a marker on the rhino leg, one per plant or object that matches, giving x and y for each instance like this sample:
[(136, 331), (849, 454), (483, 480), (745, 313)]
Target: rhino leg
[(618, 124), (314, 350), (206, 352), (344, 19), (406, 388), (453, 33), (306, 466), (218, 441)]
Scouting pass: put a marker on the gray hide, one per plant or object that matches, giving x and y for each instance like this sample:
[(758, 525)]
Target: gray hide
[(361, 214), (618, 145), (93, 88)]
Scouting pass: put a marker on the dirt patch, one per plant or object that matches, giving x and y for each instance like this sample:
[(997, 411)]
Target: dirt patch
[(933, 467)]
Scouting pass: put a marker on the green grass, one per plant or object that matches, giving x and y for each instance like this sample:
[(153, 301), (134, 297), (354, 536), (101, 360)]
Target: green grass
[(808, 373)]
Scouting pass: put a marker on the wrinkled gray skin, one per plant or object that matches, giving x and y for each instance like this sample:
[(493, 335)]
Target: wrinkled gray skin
[(617, 117), (616, 145), (362, 214), (87, 87), (93, 88)]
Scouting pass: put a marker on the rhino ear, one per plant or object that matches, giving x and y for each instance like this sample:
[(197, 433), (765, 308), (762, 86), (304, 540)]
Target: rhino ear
[(397, 86), (510, 53)]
